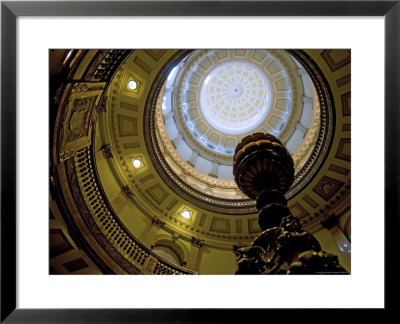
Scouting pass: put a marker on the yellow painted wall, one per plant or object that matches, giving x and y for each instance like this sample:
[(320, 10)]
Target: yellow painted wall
[(328, 244), (213, 261)]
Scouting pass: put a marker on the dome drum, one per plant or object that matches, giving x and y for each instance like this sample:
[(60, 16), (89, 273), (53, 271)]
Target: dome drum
[(199, 142)]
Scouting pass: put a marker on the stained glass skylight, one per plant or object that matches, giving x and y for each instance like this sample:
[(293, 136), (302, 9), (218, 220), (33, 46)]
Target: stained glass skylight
[(234, 97)]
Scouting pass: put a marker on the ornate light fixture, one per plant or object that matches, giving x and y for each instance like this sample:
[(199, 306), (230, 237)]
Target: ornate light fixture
[(263, 171)]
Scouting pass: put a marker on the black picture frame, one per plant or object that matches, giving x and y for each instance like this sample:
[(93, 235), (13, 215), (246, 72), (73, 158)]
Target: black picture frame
[(10, 10)]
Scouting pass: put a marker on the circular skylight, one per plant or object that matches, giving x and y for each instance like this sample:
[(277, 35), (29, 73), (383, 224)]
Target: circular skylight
[(234, 97)]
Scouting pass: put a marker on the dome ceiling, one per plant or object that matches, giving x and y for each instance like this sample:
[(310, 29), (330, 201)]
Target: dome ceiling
[(194, 129), (179, 165), (159, 138), (234, 97)]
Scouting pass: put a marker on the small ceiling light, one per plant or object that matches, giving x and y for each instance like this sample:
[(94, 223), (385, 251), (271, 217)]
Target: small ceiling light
[(186, 213), (132, 85), (137, 163)]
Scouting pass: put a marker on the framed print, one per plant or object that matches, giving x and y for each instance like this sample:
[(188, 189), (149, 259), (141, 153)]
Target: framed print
[(125, 151)]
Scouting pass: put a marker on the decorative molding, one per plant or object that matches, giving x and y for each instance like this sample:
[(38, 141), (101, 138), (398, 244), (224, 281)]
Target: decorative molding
[(75, 188), (106, 149), (155, 54), (65, 155), (338, 169), (127, 126), (241, 206), (343, 80), (103, 104), (105, 64), (327, 119), (59, 244), (340, 202), (346, 103), (75, 118), (75, 265), (157, 193), (78, 124), (80, 87), (298, 210), (310, 201), (82, 184), (346, 127), (196, 242), (343, 144), (327, 187), (334, 63), (220, 225), (125, 250), (157, 222), (127, 192)]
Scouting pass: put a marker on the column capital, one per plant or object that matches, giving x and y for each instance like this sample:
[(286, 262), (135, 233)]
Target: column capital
[(157, 222), (106, 149), (197, 242), (127, 192)]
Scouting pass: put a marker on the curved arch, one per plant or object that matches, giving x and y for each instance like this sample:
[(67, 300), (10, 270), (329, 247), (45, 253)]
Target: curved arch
[(177, 248)]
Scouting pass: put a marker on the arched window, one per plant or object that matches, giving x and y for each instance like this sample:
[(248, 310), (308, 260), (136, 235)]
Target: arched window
[(167, 254), (170, 251)]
